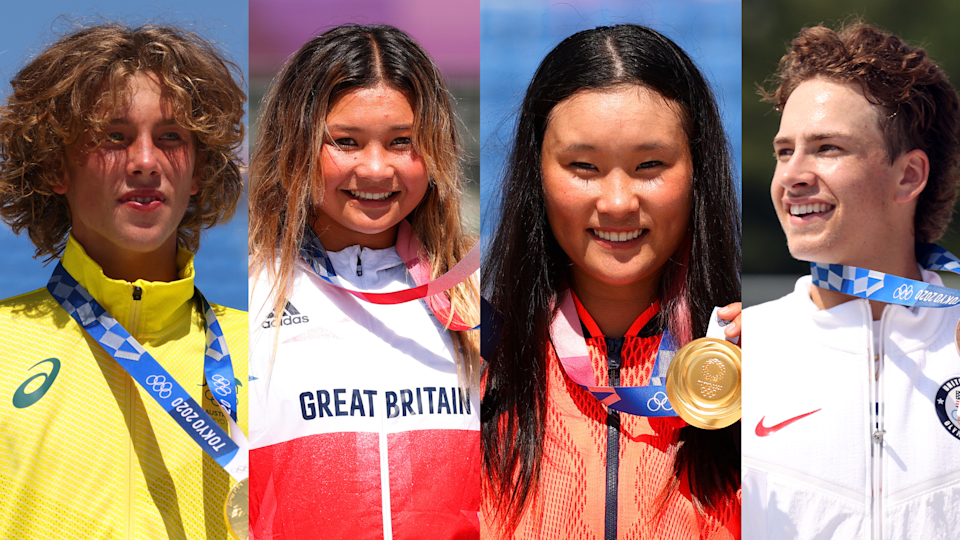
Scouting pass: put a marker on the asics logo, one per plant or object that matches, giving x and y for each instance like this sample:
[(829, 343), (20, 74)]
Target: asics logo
[(903, 292), (221, 385), (660, 400), (22, 398), (160, 385)]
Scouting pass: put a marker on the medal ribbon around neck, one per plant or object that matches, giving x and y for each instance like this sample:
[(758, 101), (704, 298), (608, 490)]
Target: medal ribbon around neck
[(418, 264), (890, 289), (229, 451), (650, 400)]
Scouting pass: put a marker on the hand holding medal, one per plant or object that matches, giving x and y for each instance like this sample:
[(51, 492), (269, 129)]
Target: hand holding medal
[(702, 378)]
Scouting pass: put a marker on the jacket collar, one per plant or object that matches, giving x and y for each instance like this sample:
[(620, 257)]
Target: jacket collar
[(911, 328), (160, 304)]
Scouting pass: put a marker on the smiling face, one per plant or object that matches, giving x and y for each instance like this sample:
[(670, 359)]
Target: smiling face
[(373, 176), (128, 195), (834, 187), (617, 179)]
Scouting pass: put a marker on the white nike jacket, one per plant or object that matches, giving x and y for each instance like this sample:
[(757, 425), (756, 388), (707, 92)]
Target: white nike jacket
[(842, 441), (359, 429)]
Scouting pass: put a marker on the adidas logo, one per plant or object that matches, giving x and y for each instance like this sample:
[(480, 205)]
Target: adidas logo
[(290, 316)]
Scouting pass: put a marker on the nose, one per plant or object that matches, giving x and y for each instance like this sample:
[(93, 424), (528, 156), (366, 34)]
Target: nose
[(795, 173), (375, 163), (619, 196), (142, 157)]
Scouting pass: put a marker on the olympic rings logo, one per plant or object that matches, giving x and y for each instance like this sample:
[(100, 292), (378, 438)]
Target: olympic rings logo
[(160, 385), (661, 402), (903, 292), (221, 385)]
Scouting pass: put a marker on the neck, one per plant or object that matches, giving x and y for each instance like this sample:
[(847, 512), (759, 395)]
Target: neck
[(903, 263), (335, 237), (613, 307), (159, 265)]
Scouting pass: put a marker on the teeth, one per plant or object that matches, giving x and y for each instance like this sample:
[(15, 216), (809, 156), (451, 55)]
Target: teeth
[(618, 237), (144, 200), (815, 208), (366, 195)]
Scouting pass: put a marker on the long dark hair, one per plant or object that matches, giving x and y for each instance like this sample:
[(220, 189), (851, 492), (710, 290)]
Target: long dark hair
[(525, 272)]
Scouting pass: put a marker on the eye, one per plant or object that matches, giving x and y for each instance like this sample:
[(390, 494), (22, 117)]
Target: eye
[(346, 141), (582, 165), (115, 137), (783, 153), (172, 136), (649, 164), (402, 141), (828, 148)]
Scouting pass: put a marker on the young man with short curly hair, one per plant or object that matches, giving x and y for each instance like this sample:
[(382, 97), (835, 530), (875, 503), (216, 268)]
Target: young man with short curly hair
[(849, 391), (118, 145)]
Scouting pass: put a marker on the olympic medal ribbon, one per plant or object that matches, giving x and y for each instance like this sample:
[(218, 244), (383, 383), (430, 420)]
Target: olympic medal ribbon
[(890, 289), (417, 263), (229, 451), (653, 399)]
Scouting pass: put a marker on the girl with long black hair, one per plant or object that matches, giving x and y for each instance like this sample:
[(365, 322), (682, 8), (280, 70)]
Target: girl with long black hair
[(619, 191)]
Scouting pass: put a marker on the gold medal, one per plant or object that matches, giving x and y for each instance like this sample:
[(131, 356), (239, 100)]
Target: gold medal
[(235, 511), (703, 383)]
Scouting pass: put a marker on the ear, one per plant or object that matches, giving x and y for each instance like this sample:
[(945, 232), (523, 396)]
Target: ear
[(61, 187), (197, 170), (916, 168)]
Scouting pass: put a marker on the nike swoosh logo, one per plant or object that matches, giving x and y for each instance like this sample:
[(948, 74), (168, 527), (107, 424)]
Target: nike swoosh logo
[(763, 431)]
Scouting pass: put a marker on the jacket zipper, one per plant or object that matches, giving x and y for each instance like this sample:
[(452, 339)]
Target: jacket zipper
[(135, 309), (614, 349), (876, 437), (359, 268)]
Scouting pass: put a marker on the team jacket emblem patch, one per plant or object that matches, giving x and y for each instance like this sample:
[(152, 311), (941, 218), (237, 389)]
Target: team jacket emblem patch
[(948, 406)]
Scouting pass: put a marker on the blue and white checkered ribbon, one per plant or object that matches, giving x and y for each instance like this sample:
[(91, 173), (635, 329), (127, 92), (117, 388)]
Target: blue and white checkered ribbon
[(891, 289), (229, 451)]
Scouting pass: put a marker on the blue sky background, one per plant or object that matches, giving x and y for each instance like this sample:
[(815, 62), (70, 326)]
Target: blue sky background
[(27, 27)]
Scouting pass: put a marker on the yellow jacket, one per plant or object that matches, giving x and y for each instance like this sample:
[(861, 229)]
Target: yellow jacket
[(84, 451)]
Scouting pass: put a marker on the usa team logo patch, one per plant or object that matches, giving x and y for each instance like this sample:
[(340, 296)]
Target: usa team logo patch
[(948, 405)]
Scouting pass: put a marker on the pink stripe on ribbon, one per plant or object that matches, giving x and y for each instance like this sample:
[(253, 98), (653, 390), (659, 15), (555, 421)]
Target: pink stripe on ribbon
[(418, 264), (571, 347)]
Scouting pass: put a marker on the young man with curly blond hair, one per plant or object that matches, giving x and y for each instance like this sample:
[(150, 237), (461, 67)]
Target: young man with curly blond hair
[(851, 389), (118, 145)]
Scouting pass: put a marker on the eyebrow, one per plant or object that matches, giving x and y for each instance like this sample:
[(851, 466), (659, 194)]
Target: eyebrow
[(814, 137), (356, 129), (585, 147), (124, 121)]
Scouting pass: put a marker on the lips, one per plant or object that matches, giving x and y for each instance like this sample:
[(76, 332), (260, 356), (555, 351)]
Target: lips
[(371, 195), (614, 236), (143, 199), (810, 208)]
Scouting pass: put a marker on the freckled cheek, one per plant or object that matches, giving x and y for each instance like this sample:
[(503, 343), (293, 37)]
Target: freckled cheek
[(181, 161)]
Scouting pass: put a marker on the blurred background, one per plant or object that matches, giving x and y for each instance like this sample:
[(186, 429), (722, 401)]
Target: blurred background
[(515, 36), (768, 28), (27, 29), (449, 31)]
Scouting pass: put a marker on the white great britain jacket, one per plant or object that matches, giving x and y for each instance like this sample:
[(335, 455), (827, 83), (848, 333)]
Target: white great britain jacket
[(842, 441), (359, 429)]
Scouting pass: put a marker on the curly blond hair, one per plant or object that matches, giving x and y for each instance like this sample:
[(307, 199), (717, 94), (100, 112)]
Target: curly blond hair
[(78, 84), (285, 168)]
